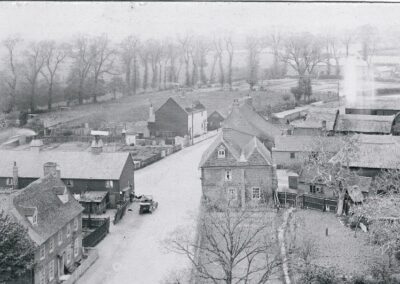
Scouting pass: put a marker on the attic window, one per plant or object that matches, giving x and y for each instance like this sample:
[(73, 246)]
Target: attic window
[(109, 184), (9, 181), (221, 153)]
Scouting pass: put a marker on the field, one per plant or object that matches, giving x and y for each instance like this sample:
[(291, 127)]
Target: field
[(135, 108)]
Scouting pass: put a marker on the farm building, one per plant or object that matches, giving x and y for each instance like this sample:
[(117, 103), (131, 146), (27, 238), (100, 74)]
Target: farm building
[(82, 171), (53, 219), (294, 150), (375, 106), (372, 154), (288, 116), (238, 168), (367, 124), (93, 202), (243, 118), (318, 121), (214, 121), (180, 117)]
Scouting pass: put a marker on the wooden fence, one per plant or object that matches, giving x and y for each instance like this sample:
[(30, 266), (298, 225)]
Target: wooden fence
[(101, 229), (307, 201), (121, 209)]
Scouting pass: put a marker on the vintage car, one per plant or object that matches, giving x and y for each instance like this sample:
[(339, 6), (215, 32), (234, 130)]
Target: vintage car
[(147, 204)]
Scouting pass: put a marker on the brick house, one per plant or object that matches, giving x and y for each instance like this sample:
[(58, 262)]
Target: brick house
[(81, 171), (53, 219), (245, 119), (238, 168), (180, 117)]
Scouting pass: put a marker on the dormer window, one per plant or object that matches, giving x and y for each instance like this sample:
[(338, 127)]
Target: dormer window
[(221, 153), (31, 214), (62, 194)]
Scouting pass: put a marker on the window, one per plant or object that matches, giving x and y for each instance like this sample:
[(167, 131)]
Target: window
[(292, 155), (228, 175), (76, 224), (34, 219), (9, 181), (221, 153), (60, 240), (69, 183), (256, 193), (312, 188), (232, 193), (68, 254), (42, 276), (51, 245), (51, 270), (42, 251), (109, 184), (76, 247), (68, 230)]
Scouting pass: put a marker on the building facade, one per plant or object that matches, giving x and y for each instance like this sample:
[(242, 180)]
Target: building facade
[(237, 169), (53, 219)]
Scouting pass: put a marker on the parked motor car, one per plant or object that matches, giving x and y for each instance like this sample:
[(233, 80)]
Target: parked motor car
[(147, 204)]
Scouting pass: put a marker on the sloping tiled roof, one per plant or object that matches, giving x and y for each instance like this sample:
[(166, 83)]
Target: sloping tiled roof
[(240, 145), (374, 151), (299, 143), (52, 214), (315, 116), (364, 123), (384, 103), (74, 165), (243, 118), (188, 105)]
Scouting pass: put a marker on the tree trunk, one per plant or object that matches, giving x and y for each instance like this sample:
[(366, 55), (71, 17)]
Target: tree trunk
[(135, 74), (50, 96), (221, 72), (187, 81), (145, 75), (80, 92), (340, 204), (32, 98), (95, 90), (128, 90)]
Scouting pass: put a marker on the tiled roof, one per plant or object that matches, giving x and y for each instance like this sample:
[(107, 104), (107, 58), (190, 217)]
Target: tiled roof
[(244, 119), (374, 151), (240, 145), (364, 123), (74, 165), (297, 143), (188, 105), (52, 213), (375, 103), (315, 116)]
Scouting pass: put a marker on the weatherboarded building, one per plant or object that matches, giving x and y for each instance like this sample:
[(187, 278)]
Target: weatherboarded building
[(237, 168), (367, 124), (52, 218), (81, 171), (294, 150), (180, 117), (318, 121)]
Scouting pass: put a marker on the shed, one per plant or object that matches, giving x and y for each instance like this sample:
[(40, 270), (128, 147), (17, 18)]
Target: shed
[(93, 201)]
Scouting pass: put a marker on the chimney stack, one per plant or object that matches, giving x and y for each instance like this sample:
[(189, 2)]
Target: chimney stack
[(152, 117), (97, 145), (50, 168), (15, 176)]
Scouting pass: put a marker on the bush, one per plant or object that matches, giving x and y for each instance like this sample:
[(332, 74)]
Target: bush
[(286, 97)]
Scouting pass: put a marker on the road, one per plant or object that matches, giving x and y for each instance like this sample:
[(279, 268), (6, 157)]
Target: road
[(133, 252)]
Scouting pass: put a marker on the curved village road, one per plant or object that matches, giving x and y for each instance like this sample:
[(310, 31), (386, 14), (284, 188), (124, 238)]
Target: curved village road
[(132, 252)]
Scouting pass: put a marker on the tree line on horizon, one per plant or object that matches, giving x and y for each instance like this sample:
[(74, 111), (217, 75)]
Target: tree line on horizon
[(38, 73)]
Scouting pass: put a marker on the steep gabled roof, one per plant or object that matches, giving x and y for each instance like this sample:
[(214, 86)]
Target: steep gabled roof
[(244, 119), (52, 213), (188, 105), (74, 165), (315, 117), (241, 145)]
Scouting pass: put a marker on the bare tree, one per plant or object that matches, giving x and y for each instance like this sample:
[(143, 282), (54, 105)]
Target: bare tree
[(212, 71), (155, 53), (34, 61), (253, 45), (219, 50), (129, 57), (235, 246), (54, 56), (230, 50), (274, 41), (347, 40), (334, 47), (11, 77), (186, 46), (102, 61), (368, 36), (81, 63), (144, 57)]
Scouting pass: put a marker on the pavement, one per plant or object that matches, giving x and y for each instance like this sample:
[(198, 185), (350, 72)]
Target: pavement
[(133, 251)]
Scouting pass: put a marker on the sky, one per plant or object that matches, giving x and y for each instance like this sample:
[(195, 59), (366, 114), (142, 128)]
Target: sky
[(52, 20)]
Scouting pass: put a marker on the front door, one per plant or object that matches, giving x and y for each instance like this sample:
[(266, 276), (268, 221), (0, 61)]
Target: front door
[(61, 265)]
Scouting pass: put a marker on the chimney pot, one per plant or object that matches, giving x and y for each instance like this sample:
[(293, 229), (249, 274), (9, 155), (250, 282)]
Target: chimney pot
[(50, 168)]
